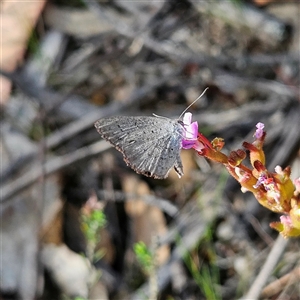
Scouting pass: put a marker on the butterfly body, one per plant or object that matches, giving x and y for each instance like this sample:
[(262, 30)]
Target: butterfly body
[(150, 145)]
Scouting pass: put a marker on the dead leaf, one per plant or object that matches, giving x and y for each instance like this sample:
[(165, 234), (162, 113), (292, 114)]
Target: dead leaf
[(147, 221), (17, 21)]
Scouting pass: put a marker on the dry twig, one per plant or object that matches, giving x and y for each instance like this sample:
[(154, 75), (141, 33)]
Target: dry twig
[(268, 267), (278, 285)]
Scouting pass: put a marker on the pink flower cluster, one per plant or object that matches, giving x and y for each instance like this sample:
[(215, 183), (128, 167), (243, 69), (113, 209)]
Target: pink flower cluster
[(274, 190)]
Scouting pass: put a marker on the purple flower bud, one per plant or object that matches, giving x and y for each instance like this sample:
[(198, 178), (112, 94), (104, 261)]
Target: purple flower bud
[(260, 130)]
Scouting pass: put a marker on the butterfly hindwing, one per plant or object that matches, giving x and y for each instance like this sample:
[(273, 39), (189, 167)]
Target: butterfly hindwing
[(157, 160)]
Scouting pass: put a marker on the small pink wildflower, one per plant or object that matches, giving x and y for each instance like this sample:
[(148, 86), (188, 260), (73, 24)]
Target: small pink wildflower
[(286, 221), (260, 130), (191, 131), (270, 186), (297, 185), (261, 180)]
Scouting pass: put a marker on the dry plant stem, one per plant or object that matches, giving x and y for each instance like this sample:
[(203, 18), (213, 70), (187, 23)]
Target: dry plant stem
[(268, 86), (278, 285), (268, 267), (290, 135), (242, 15), (260, 231), (153, 286), (51, 166), (119, 196), (183, 54)]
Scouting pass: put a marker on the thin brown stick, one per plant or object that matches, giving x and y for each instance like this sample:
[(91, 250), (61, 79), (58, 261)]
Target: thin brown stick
[(267, 269), (278, 285)]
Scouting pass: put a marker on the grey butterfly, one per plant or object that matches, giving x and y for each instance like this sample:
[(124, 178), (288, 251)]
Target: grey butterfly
[(150, 145)]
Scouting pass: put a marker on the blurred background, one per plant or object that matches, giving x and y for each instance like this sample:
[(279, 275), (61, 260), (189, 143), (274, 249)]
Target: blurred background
[(76, 222)]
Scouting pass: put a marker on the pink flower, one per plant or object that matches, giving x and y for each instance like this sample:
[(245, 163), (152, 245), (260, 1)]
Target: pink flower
[(262, 179), (297, 185), (286, 220), (260, 130), (191, 131), (270, 186)]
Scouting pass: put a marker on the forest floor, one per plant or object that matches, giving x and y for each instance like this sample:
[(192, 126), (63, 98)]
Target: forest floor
[(76, 222)]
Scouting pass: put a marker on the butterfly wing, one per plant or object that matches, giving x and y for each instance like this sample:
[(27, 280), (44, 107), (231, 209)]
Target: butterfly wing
[(150, 145)]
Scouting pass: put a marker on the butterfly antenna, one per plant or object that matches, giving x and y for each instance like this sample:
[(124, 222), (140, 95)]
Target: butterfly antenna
[(193, 103), (162, 117)]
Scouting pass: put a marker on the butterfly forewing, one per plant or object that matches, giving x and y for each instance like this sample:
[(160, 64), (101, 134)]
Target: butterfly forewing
[(150, 145)]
